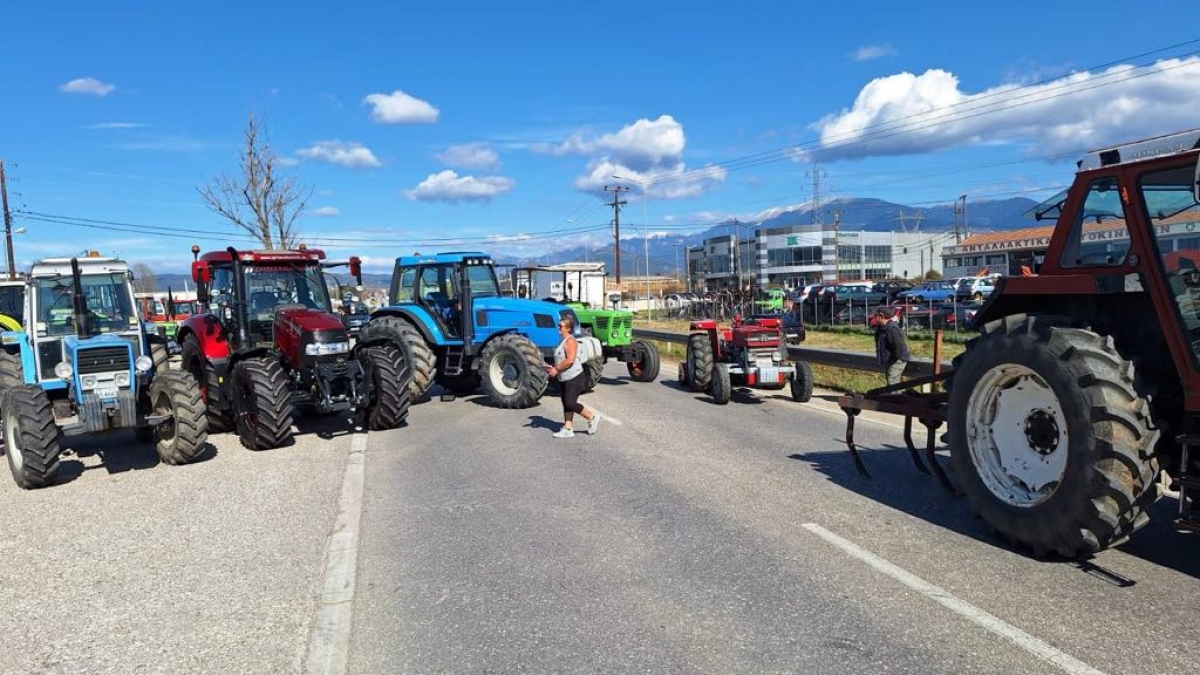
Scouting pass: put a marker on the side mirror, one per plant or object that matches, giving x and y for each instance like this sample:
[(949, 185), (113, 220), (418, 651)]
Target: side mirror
[(356, 268)]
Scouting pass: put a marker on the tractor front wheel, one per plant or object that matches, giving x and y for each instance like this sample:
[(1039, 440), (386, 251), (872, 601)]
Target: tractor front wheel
[(262, 403), (720, 388), (699, 361), (386, 373), (30, 436), (417, 354), (645, 368), (181, 438), (1050, 441), (511, 367), (802, 382), (220, 412), (160, 356), (11, 372)]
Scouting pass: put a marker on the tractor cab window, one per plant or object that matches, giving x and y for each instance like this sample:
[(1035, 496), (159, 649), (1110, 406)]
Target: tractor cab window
[(106, 297), (483, 281), (1100, 237), (272, 286), (403, 280), (438, 292), (12, 301), (1174, 217)]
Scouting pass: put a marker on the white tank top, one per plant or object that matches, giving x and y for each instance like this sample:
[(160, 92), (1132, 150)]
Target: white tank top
[(560, 355)]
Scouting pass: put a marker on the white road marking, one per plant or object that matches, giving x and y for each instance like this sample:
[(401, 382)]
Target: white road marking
[(607, 418), (1039, 648), (329, 644)]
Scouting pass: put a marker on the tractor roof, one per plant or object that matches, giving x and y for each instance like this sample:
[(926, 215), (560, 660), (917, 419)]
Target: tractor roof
[(87, 265), (1147, 148), (278, 256), (441, 258)]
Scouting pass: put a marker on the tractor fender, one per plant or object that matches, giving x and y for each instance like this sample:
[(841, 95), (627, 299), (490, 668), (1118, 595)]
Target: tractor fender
[(419, 318), (17, 343), (209, 333)]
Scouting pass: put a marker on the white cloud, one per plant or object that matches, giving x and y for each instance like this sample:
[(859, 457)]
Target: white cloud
[(117, 125), (287, 161), (648, 153), (448, 186), (928, 112), (470, 156), (325, 212), (871, 52), (87, 85), (400, 108), (348, 154)]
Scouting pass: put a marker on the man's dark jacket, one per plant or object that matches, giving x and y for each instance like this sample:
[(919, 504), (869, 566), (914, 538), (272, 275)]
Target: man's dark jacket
[(890, 345)]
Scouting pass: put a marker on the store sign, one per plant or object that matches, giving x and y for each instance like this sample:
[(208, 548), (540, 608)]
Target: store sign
[(1108, 234)]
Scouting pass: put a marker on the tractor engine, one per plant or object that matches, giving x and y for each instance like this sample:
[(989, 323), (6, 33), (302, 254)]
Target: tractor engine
[(316, 350)]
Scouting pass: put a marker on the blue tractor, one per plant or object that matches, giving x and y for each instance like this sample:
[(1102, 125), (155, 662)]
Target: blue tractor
[(456, 328), (84, 363)]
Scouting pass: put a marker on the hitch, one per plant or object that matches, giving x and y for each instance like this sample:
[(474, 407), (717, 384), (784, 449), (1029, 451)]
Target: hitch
[(903, 399)]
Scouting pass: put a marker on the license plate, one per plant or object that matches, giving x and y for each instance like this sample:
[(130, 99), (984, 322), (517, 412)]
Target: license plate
[(107, 392)]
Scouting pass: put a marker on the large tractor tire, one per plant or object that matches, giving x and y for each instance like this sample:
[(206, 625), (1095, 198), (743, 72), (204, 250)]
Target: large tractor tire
[(646, 368), (262, 403), (11, 372), (1049, 439), (389, 376), (511, 367), (180, 439), (30, 436), (719, 387), (417, 353), (593, 371), (160, 356), (802, 382), (220, 411), (699, 361)]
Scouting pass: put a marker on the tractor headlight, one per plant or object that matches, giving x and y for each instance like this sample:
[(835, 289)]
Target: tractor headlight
[(89, 382), (122, 378), (326, 348), (143, 363), (63, 370)]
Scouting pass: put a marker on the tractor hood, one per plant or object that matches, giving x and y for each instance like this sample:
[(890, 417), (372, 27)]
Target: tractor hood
[(305, 320)]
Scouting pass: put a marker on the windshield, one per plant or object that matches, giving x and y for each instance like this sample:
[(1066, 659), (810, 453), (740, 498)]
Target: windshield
[(109, 304), (483, 280), (268, 287), (12, 300)]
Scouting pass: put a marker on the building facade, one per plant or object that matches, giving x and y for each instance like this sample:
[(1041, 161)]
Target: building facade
[(797, 255)]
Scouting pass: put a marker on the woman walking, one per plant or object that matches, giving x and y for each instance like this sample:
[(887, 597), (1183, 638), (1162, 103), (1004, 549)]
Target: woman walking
[(569, 372)]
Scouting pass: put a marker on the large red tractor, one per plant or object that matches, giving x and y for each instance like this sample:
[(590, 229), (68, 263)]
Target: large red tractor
[(269, 339), (750, 353)]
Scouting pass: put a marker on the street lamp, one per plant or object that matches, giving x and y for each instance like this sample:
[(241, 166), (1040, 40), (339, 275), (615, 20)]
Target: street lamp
[(645, 241)]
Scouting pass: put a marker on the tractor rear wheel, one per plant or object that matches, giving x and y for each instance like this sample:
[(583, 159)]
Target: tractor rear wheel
[(262, 403), (1050, 440), (388, 374), (417, 354), (699, 361), (644, 369), (30, 436), (180, 439), (220, 411), (802, 382), (511, 367), (720, 388), (11, 372)]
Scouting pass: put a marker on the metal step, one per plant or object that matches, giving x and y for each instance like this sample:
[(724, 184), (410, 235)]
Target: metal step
[(1187, 524)]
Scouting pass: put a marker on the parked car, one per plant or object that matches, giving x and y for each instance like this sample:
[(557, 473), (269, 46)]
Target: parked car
[(975, 288), (356, 318), (857, 315), (931, 292), (945, 316), (892, 288)]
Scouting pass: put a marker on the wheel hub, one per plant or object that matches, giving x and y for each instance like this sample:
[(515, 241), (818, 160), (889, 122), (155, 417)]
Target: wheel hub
[(1017, 435)]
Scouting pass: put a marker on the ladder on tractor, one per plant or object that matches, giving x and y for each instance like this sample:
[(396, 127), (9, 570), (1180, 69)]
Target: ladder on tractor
[(453, 365), (1188, 519)]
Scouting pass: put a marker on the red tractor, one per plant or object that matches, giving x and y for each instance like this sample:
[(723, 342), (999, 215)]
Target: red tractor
[(751, 353), (269, 338)]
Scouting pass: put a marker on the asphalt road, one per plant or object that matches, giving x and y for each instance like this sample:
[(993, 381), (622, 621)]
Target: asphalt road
[(684, 538)]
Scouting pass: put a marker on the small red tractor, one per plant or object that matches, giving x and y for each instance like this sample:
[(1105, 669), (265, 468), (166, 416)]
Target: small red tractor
[(750, 353), (268, 339)]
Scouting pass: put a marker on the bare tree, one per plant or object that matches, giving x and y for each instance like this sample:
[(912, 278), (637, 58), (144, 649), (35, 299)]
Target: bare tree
[(143, 279), (260, 200)]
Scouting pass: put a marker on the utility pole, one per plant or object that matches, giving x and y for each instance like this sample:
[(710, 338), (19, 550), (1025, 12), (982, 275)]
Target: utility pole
[(816, 201), (837, 246), (966, 228), (12, 266), (957, 231), (616, 205)]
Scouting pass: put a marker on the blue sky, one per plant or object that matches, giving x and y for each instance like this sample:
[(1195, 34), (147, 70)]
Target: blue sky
[(493, 122)]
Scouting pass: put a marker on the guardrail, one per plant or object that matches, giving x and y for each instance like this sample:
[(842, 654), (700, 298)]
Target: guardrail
[(839, 358)]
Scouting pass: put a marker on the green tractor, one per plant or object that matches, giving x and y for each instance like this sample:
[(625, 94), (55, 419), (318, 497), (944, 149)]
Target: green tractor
[(770, 301), (580, 286)]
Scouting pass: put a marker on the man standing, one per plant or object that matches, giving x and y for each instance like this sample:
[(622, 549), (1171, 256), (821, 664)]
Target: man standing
[(890, 345)]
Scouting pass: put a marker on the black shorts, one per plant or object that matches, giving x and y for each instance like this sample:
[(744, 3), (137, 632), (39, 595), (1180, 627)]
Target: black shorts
[(571, 390)]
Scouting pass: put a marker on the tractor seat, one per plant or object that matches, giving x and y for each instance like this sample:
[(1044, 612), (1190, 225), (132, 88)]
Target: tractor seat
[(438, 300), (262, 302)]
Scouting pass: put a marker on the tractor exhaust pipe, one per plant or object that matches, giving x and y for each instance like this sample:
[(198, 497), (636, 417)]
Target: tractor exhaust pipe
[(242, 311), (78, 302)]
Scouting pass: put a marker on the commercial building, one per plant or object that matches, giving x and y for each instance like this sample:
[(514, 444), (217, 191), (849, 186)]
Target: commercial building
[(796, 255)]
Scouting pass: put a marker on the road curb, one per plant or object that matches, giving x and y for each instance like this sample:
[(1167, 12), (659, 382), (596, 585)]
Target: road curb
[(329, 644)]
